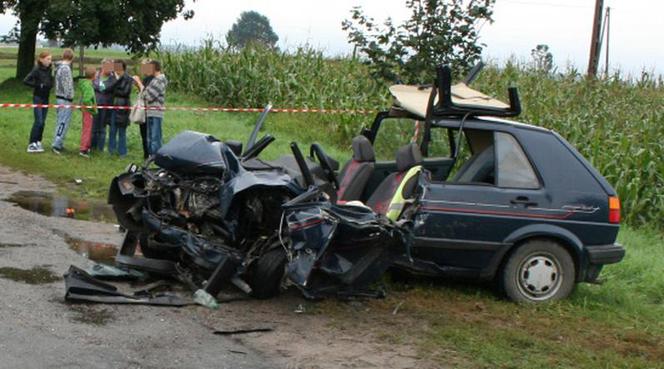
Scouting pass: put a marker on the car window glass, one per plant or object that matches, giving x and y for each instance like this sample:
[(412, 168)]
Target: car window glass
[(476, 162), (393, 134), (439, 146), (514, 169)]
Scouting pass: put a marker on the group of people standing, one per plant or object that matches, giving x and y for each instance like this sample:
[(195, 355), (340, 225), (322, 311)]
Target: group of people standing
[(107, 86)]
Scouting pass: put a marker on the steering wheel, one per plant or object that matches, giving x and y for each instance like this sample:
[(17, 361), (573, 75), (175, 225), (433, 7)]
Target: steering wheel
[(325, 164)]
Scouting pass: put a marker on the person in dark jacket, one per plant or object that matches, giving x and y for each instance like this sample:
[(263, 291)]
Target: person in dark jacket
[(103, 84), (120, 118), (41, 81)]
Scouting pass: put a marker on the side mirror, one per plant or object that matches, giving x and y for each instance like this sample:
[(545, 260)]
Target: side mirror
[(235, 146)]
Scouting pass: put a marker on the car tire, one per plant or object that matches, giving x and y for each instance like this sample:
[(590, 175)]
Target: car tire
[(538, 271), (265, 281)]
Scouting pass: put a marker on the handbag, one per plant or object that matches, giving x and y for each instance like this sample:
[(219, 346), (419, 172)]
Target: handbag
[(137, 113)]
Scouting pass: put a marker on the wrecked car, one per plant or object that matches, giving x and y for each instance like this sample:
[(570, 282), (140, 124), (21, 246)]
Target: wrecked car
[(207, 212), (440, 184)]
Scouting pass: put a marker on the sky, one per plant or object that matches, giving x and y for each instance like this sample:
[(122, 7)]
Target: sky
[(519, 25)]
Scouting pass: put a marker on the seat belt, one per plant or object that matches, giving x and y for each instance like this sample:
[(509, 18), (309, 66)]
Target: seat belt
[(398, 201)]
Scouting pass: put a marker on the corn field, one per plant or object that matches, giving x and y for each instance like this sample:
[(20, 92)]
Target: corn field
[(252, 77), (617, 125)]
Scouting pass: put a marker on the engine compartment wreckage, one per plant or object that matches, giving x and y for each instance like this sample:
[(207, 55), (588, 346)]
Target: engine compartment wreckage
[(208, 213)]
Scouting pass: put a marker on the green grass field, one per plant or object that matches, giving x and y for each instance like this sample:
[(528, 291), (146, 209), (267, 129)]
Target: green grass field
[(15, 125), (615, 325)]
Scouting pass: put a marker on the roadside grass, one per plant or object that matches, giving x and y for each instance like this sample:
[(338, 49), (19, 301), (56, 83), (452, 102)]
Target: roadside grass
[(96, 173), (615, 325)]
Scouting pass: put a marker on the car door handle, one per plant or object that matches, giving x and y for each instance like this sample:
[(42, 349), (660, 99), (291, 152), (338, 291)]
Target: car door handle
[(523, 200)]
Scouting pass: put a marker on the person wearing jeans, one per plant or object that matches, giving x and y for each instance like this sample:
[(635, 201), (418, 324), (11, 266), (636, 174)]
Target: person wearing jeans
[(154, 134), (117, 138), (154, 102), (103, 84), (41, 81), (64, 95), (141, 83)]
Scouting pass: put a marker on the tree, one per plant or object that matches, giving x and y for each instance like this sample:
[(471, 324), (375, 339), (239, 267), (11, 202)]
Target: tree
[(438, 31), (29, 13), (133, 24), (542, 58), (251, 28), (13, 36)]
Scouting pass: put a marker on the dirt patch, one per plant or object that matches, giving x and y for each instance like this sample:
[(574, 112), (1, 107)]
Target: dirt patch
[(91, 315), (35, 275), (321, 335)]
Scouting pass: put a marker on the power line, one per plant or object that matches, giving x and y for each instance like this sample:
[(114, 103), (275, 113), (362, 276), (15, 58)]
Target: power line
[(546, 4)]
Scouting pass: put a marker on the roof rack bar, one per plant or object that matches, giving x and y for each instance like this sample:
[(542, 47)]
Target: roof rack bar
[(446, 107)]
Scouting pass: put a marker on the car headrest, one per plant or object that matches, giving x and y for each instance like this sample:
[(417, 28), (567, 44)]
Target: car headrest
[(362, 149), (408, 156)]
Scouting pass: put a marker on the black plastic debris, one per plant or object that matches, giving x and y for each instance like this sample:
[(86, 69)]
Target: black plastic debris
[(82, 287), (230, 332)]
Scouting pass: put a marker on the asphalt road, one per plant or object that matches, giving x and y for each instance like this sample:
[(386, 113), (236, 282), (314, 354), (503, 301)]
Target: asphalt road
[(38, 329)]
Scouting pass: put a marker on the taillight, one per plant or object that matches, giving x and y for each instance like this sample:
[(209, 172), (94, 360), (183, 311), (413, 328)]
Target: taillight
[(614, 209)]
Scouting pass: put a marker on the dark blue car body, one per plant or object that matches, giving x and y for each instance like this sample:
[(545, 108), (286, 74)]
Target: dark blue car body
[(468, 229)]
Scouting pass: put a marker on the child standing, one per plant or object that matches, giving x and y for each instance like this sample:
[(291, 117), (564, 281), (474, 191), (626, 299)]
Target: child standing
[(64, 95), (87, 99), (41, 81)]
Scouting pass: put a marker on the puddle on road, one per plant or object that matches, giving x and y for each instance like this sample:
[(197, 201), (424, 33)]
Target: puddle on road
[(55, 205), (95, 251), (36, 275), (89, 315)]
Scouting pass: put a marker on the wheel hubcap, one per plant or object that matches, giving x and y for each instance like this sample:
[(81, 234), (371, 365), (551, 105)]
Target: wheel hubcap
[(539, 277)]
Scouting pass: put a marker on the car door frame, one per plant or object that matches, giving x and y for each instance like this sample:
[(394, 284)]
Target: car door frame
[(383, 168), (450, 212)]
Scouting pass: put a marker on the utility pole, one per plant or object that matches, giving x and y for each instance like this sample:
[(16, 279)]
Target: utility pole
[(593, 60), (607, 24)]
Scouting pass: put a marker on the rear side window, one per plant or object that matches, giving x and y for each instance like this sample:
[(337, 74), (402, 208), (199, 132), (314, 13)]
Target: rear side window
[(514, 169)]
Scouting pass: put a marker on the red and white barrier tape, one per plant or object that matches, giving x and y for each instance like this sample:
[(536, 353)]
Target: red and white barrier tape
[(187, 108)]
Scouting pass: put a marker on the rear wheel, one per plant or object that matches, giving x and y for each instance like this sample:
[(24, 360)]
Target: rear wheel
[(268, 273), (538, 271)]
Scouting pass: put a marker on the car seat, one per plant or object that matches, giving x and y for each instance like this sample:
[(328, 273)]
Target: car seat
[(388, 198), (478, 169), (356, 172)]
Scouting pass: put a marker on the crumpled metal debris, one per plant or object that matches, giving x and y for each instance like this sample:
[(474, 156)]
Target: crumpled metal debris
[(109, 272), (82, 287)]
